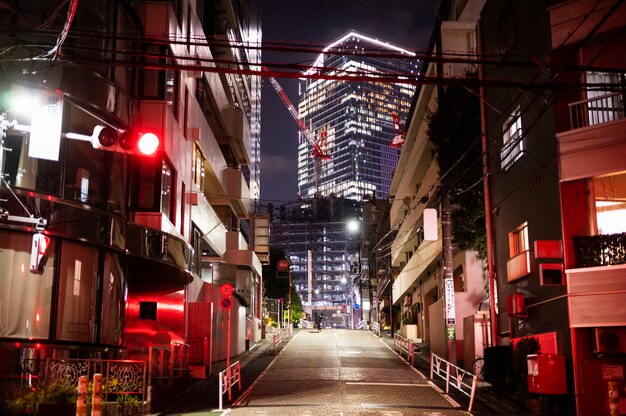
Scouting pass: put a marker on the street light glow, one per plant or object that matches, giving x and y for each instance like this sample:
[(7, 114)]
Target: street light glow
[(353, 226)]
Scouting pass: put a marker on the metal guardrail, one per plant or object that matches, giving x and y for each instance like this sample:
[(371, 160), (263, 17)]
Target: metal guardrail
[(454, 376), (227, 379), (404, 345)]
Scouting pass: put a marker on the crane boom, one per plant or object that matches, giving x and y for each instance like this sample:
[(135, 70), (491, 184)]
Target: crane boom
[(317, 151)]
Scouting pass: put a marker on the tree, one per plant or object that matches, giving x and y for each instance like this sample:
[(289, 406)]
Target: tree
[(454, 129), (277, 288)]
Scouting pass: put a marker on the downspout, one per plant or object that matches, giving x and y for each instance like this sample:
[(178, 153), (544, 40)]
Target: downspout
[(486, 189)]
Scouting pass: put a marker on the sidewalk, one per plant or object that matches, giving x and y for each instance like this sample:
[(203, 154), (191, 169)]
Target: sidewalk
[(486, 401), (204, 394)]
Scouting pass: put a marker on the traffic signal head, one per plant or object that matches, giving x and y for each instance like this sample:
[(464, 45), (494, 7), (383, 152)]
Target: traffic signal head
[(126, 141)]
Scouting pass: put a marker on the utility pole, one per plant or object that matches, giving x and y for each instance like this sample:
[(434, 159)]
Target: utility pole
[(448, 280)]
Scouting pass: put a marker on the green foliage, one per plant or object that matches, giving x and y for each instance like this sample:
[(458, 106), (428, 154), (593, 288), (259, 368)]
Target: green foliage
[(455, 131), (22, 398), (408, 318), (59, 392), (518, 378)]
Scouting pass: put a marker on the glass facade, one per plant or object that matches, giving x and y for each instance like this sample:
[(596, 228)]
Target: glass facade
[(352, 120)]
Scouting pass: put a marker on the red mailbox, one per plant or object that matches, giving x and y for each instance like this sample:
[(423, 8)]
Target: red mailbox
[(546, 374)]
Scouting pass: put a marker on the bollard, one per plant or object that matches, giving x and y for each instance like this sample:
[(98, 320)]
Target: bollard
[(81, 403), (96, 401)]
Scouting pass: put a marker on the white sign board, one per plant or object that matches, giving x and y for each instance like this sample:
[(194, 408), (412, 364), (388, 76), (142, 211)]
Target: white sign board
[(45, 129), (450, 313)]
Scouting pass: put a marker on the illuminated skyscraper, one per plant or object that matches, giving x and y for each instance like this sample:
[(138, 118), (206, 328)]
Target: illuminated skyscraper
[(353, 120)]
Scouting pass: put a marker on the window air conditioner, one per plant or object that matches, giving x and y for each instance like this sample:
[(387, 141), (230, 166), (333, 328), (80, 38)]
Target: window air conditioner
[(610, 340)]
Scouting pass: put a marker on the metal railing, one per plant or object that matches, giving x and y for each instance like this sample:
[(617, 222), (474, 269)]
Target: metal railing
[(227, 379), (53, 382), (454, 376), (596, 110), (281, 338), (376, 328), (404, 346)]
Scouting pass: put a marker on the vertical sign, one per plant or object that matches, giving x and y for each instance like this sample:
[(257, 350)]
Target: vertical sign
[(449, 296), (45, 126)]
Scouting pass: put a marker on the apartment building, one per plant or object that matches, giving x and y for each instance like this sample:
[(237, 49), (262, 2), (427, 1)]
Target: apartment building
[(126, 251)]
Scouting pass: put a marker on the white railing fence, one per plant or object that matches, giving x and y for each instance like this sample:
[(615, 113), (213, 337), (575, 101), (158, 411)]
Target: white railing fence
[(404, 346), (227, 379), (454, 376)]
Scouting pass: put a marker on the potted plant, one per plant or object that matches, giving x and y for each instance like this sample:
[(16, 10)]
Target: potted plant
[(409, 324)]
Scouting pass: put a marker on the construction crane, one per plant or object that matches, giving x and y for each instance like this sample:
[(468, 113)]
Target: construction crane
[(317, 150), (318, 153), (399, 134)]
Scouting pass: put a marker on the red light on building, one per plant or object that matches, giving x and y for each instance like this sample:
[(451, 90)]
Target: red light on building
[(126, 141), (148, 144)]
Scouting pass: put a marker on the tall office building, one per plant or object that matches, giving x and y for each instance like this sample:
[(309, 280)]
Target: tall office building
[(353, 121)]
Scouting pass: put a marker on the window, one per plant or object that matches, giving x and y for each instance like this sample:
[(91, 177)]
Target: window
[(161, 84), (604, 106), (518, 240), (168, 191), (156, 187), (198, 167), (77, 293), (610, 204), (512, 140), (519, 264)]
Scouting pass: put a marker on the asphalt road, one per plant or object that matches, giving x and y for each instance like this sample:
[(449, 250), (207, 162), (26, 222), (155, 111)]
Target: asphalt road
[(341, 372)]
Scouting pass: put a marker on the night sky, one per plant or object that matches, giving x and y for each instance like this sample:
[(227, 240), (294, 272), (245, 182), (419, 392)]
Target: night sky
[(404, 23)]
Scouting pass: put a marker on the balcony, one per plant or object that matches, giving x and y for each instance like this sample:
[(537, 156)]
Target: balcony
[(240, 254), (597, 110), (519, 266), (600, 250), (209, 224), (596, 143), (237, 192)]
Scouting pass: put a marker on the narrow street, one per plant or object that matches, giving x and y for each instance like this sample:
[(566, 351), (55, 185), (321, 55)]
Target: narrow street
[(341, 372)]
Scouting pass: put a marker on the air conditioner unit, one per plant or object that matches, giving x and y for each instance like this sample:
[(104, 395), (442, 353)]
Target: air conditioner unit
[(610, 340), (515, 305)]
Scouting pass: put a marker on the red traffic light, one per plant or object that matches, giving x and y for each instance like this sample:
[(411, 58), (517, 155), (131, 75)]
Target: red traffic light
[(148, 143), (127, 141)]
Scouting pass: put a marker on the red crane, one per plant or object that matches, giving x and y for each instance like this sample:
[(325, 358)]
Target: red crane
[(318, 153)]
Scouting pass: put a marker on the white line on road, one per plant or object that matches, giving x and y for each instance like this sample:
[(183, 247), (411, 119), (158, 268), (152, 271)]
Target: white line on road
[(388, 384)]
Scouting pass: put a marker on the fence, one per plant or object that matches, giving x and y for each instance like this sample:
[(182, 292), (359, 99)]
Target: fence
[(281, 338), (404, 345), (51, 383), (167, 362), (227, 379), (376, 328), (462, 380)]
